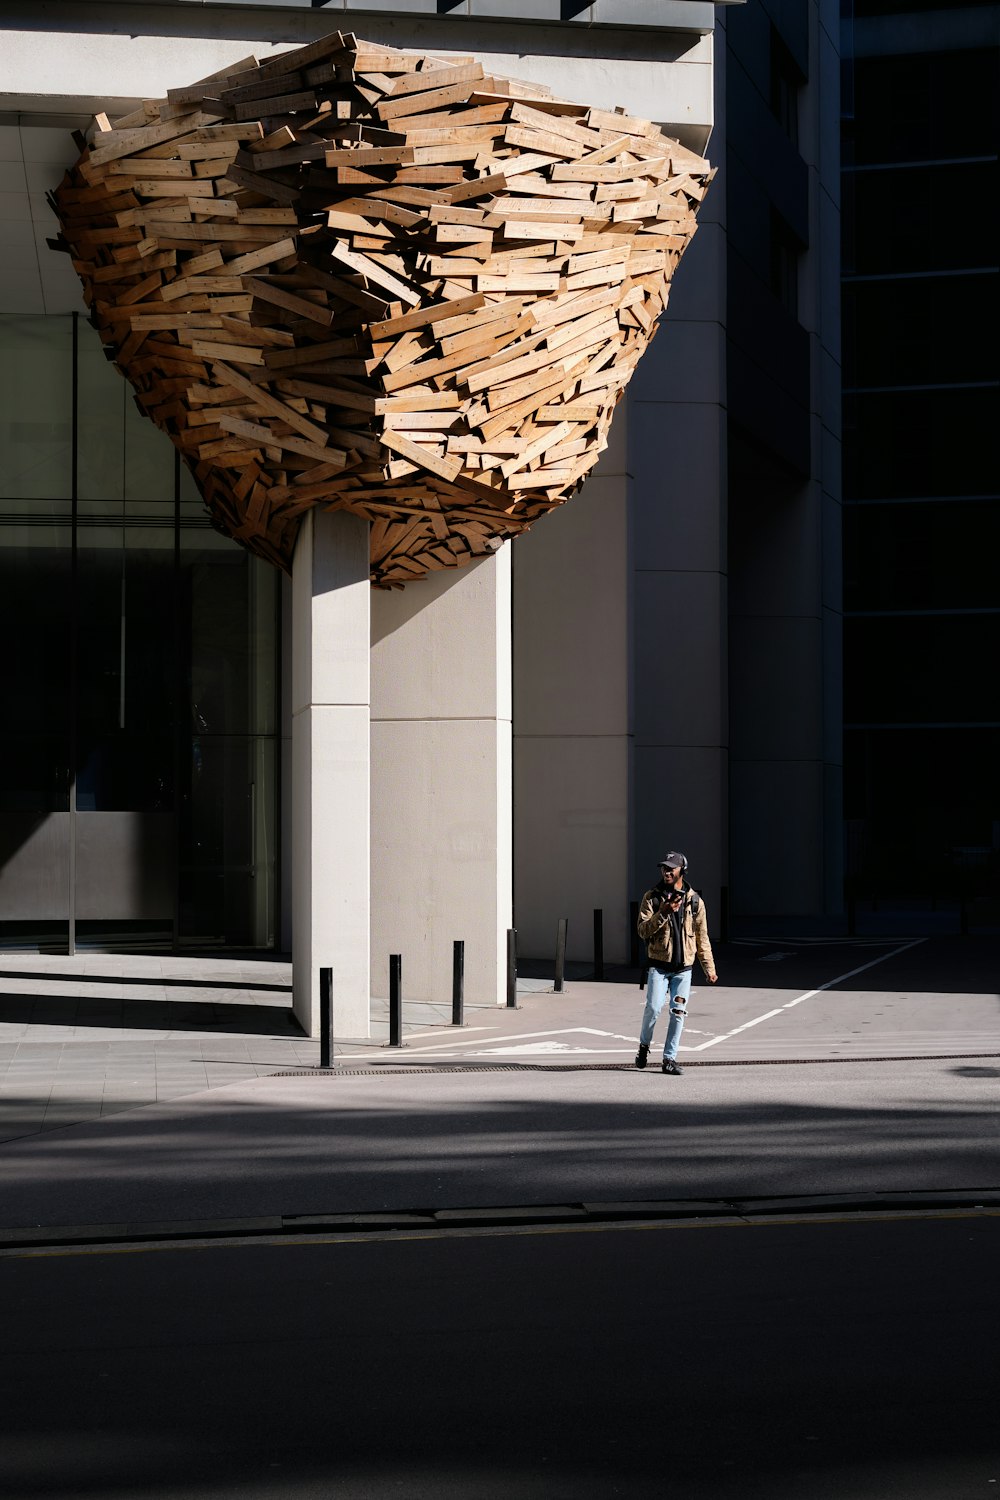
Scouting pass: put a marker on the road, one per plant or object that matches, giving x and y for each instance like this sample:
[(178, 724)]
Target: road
[(808, 1354), (834, 1360)]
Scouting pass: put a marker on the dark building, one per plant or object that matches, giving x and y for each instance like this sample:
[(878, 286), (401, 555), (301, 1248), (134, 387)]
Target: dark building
[(921, 591)]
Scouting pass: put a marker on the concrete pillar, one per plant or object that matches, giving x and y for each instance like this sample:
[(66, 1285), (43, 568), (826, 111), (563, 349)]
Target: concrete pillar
[(330, 757), (441, 780)]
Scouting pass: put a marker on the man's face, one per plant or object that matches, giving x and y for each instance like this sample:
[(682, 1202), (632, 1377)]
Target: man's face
[(671, 874)]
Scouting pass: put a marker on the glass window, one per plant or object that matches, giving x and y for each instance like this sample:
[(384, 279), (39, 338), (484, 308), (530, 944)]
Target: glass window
[(923, 331), (922, 670), (920, 443), (164, 636), (36, 408), (927, 556), (924, 106), (920, 219)]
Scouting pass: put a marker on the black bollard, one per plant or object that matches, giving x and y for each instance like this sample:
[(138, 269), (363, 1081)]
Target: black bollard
[(326, 1018), (561, 930), (598, 943), (458, 983), (395, 1000), (635, 956), (511, 968)]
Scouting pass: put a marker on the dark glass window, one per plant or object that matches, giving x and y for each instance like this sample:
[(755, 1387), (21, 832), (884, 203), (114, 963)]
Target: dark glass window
[(924, 331), (937, 669), (141, 684), (786, 82), (929, 556), (921, 219), (924, 106), (908, 443)]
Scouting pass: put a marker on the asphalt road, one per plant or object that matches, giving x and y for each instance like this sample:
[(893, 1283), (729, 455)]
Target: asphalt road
[(828, 1360)]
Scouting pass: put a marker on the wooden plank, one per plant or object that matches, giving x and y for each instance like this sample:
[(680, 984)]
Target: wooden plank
[(264, 398), (279, 297), (425, 458), (265, 256), (371, 156), (411, 83), (206, 349), (280, 104), (519, 281), (365, 266), (412, 104), (310, 353), (265, 435), (533, 139)]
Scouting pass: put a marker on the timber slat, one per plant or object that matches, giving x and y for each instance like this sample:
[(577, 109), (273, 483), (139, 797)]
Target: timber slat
[(357, 278)]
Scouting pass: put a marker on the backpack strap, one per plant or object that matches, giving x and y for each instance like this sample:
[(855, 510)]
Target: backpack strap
[(695, 903)]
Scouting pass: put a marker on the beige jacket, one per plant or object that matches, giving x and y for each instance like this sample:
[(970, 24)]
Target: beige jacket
[(654, 929)]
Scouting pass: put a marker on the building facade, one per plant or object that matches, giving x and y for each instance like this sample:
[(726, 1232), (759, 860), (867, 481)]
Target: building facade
[(657, 662), (922, 604)]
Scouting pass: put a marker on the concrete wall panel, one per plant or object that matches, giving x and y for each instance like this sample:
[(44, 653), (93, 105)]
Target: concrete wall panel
[(571, 835)]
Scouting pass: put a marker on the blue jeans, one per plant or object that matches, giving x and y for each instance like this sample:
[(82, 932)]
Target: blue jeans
[(679, 988)]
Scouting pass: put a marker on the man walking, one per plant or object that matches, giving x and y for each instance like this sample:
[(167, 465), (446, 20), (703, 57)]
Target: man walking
[(673, 925)]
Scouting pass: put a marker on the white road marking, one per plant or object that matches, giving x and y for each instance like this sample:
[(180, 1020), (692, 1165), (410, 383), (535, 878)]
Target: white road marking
[(807, 996), (535, 1038)]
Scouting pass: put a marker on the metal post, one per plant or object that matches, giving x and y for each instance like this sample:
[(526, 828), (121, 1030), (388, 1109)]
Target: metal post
[(395, 1000), (326, 1018), (511, 968), (561, 930), (635, 954), (458, 983), (598, 943)]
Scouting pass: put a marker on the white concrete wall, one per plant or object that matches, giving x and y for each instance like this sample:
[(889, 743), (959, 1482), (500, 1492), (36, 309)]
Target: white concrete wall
[(441, 781), (618, 754), (330, 757), (571, 755)]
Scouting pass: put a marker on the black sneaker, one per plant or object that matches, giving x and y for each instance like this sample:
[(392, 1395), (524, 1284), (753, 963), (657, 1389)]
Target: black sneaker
[(641, 1055), (669, 1066)]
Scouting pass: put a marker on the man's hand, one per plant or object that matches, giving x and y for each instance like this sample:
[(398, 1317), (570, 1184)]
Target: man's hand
[(713, 978)]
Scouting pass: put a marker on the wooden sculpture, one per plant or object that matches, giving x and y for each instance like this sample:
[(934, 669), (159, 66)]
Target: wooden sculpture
[(360, 279)]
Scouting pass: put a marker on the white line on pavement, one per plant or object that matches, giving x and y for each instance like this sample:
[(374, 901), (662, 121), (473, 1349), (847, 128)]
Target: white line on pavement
[(807, 996)]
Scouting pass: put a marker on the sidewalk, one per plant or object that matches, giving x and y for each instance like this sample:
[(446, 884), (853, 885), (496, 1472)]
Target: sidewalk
[(84, 1038)]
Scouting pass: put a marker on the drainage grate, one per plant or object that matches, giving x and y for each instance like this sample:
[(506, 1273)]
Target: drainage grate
[(346, 1071)]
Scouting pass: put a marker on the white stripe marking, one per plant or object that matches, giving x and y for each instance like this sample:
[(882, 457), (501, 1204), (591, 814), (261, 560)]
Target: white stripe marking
[(808, 995)]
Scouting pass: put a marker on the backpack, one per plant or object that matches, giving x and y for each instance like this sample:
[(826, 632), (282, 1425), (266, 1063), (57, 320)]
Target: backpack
[(695, 909)]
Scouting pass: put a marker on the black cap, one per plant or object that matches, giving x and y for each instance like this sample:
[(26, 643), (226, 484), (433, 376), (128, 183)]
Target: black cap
[(674, 860)]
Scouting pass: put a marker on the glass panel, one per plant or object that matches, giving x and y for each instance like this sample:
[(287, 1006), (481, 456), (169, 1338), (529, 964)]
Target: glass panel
[(228, 840), (922, 331), (919, 443), (921, 669), (100, 426), (36, 407), (894, 217), (923, 106), (927, 556), (126, 669)]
